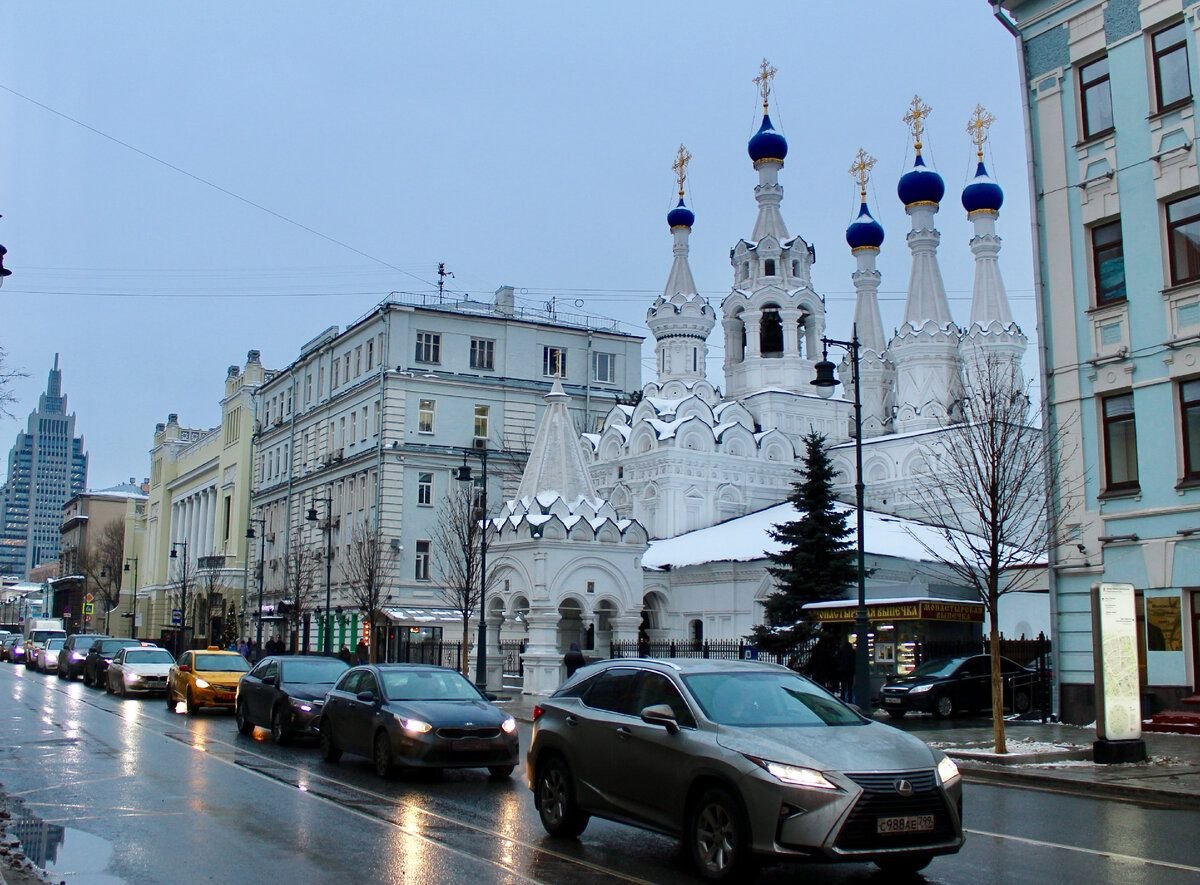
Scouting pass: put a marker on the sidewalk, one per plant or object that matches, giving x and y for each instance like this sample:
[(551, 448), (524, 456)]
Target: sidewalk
[(1171, 776)]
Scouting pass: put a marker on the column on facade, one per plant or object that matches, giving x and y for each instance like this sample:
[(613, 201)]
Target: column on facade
[(542, 658), (752, 320), (625, 627), (789, 318), (495, 657)]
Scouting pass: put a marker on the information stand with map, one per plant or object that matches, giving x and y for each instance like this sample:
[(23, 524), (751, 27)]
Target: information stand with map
[(1118, 692)]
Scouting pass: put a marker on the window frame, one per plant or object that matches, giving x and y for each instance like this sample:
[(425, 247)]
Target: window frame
[(1102, 299), (428, 348), (548, 363), (1108, 426), (1156, 57), (1191, 470), (421, 560), (1086, 87), (423, 412), (482, 421), (1172, 226), (611, 360), (425, 488), (483, 354)]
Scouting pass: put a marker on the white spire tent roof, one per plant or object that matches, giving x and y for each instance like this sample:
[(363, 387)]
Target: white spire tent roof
[(555, 465)]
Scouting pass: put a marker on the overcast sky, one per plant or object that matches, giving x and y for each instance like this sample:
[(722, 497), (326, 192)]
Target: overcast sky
[(527, 144)]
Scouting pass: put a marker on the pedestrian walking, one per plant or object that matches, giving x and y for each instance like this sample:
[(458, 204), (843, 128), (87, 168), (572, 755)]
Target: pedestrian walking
[(847, 659), (244, 648), (361, 652), (573, 659)]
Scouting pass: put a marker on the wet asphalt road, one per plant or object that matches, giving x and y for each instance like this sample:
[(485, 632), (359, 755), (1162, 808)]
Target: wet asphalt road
[(125, 791)]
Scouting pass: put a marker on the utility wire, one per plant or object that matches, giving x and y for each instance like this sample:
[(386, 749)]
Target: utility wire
[(211, 184)]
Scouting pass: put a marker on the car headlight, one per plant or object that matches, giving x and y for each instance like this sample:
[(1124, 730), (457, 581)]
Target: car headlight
[(75, 656), (302, 706), (509, 725), (415, 726), (795, 775), (201, 683), (947, 770), (919, 689)]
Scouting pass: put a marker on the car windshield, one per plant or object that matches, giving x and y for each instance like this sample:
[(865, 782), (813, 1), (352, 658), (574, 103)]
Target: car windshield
[(767, 700), (41, 635), (52, 644), (427, 685), (222, 663), (317, 671), (149, 656), (111, 646), (937, 667)]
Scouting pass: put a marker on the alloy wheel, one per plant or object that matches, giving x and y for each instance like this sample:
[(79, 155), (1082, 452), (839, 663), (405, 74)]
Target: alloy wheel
[(716, 838)]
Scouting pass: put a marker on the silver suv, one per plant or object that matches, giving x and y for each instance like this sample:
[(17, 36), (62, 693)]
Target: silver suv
[(743, 760)]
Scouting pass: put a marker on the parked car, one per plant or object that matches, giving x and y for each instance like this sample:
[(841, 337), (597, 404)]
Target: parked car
[(286, 693), (945, 686), (74, 653), (6, 645), (205, 678), (36, 640), (418, 716), (48, 656), (16, 651), (743, 760), (138, 669), (95, 665)]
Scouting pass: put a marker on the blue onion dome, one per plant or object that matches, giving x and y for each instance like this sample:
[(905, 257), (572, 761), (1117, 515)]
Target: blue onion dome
[(920, 184), (767, 143), (681, 216), (982, 193), (864, 231)]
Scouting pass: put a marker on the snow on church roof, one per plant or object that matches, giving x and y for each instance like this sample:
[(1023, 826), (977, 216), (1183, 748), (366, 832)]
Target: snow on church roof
[(746, 538)]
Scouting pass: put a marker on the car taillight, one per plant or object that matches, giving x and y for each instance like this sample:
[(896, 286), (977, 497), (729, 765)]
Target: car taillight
[(538, 710)]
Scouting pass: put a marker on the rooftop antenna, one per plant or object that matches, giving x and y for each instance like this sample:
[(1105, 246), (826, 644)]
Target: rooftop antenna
[(442, 274)]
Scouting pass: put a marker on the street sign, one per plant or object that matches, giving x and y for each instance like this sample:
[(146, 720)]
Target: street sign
[(89, 598), (176, 616), (88, 608), (66, 613)]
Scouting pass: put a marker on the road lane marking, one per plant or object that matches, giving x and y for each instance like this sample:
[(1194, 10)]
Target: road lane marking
[(1112, 855)]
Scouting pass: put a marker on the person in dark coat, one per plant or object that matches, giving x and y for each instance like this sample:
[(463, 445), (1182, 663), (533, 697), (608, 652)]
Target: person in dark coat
[(362, 654), (573, 659), (345, 655), (847, 660)]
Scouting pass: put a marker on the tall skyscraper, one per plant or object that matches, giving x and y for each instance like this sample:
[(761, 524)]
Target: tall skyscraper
[(47, 466)]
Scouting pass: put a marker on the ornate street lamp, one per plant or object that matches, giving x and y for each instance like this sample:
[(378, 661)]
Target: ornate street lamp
[(262, 552), (312, 517), (463, 474)]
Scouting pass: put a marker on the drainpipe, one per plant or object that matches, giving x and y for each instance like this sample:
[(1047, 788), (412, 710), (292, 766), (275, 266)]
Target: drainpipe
[(1043, 348), (587, 399)]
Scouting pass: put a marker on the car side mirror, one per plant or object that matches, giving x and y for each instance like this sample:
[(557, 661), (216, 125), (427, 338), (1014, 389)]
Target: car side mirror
[(367, 697), (489, 696), (270, 680), (661, 714)]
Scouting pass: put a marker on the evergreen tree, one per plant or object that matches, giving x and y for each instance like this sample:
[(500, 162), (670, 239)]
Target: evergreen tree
[(818, 560)]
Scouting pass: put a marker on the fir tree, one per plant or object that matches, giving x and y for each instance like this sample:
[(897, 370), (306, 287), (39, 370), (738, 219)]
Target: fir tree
[(818, 560)]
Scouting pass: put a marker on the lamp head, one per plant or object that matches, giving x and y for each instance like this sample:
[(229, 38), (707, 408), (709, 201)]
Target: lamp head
[(126, 566), (174, 554), (312, 514), (463, 474), (250, 532), (826, 380)]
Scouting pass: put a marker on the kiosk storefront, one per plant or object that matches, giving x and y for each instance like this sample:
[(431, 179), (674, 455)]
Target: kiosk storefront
[(898, 625)]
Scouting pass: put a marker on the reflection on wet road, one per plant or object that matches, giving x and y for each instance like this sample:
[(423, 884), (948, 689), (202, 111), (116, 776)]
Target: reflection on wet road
[(115, 791)]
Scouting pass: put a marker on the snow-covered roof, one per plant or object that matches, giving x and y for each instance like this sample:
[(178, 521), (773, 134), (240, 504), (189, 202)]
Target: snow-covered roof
[(746, 538), (898, 600)]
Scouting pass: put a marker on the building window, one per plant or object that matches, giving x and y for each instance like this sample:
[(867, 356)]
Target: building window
[(425, 416), (364, 423), (334, 382), (1171, 82), (425, 489), (353, 427), (1120, 443), (483, 353), (481, 422), (554, 362), (1096, 94), (769, 267), (429, 347), (358, 361), (1183, 239), (422, 564), (604, 369), (370, 354), (1189, 408), (1108, 262), (346, 368)]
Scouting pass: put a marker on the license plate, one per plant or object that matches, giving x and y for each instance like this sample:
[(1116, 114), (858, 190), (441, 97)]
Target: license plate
[(912, 823), (470, 745), (891, 700)]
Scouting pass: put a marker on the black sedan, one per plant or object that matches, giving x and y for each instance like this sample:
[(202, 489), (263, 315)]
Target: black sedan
[(945, 686), (100, 655), (416, 716), (286, 694)]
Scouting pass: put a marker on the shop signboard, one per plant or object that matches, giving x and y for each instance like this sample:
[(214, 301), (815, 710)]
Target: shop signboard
[(920, 610), (1114, 634)]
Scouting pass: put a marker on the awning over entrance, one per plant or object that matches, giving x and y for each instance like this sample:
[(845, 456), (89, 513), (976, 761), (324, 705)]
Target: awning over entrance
[(422, 615), (841, 611)]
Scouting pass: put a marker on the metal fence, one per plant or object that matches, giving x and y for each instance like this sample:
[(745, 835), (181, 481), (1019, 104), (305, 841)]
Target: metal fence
[(441, 653), (510, 651), (798, 658)]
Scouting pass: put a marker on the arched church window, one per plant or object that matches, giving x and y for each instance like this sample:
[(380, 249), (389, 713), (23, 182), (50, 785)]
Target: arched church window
[(769, 267), (695, 360), (770, 332), (696, 633), (795, 268), (745, 270), (801, 333)]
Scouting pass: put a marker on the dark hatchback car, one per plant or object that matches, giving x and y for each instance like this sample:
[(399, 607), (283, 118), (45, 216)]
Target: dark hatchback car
[(743, 761), (945, 686), (15, 651), (286, 694), (74, 653), (413, 715), (99, 656)]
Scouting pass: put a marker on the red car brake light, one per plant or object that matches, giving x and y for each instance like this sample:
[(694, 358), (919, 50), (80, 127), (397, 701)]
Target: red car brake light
[(538, 710)]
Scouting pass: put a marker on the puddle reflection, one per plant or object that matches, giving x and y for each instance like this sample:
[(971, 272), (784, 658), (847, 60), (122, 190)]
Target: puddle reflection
[(62, 851)]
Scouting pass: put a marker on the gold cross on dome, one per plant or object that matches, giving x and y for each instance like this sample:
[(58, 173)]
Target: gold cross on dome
[(915, 118), (860, 169), (978, 127), (682, 158), (766, 73)]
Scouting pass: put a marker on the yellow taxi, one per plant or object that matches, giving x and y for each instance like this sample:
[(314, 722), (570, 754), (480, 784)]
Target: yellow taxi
[(205, 678)]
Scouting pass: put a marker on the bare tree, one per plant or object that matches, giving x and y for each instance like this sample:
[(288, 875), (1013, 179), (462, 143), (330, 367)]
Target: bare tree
[(211, 589), (184, 585), (370, 570), (8, 399), (102, 562), (988, 491), (458, 553), (304, 563)]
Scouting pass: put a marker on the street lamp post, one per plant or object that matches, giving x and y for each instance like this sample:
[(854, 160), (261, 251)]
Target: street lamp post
[(825, 382), (463, 474), (262, 552), (312, 517), (183, 578), (133, 610)]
